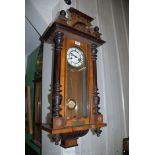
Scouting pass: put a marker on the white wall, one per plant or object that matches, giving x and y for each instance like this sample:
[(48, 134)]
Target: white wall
[(112, 18), (115, 64)]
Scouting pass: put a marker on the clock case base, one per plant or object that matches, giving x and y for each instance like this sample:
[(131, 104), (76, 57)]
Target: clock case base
[(69, 143), (69, 135)]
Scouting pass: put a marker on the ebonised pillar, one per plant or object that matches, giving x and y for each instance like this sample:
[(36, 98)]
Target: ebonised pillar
[(95, 93), (56, 96)]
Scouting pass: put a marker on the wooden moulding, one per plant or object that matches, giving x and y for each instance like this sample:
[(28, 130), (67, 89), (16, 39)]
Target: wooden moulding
[(69, 143), (71, 129), (94, 126), (64, 130), (83, 127), (49, 129), (97, 119), (69, 31), (70, 139), (80, 14), (76, 24), (57, 122)]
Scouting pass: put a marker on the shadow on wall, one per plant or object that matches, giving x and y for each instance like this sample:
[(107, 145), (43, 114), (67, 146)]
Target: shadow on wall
[(48, 117)]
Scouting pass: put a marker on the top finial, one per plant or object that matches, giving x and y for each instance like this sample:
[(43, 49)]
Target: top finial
[(68, 2)]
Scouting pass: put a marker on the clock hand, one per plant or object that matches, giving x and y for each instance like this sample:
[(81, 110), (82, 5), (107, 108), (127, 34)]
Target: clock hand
[(74, 55), (79, 59)]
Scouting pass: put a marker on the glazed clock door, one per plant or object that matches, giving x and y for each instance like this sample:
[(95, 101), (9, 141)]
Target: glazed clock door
[(77, 90)]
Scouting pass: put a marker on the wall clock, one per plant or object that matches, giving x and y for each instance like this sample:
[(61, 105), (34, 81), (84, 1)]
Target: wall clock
[(75, 100)]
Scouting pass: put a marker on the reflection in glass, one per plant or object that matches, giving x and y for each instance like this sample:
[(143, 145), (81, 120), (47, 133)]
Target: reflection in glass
[(77, 90)]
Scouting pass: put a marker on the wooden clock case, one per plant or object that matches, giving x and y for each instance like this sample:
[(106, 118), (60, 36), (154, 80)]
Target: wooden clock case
[(76, 30)]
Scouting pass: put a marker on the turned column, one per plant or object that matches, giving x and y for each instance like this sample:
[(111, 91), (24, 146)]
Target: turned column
[(95, 93), (56, 96)]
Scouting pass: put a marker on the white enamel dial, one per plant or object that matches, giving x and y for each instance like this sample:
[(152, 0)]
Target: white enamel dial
[(75, 57)]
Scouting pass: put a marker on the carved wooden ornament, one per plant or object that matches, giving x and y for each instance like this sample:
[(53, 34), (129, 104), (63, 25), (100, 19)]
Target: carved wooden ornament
[(75, 100)]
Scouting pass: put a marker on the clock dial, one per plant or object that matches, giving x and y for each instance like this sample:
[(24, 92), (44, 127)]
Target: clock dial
[(75, 57)]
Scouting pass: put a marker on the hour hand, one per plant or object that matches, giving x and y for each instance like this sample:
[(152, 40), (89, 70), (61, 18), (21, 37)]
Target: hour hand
[(73, 55), (79, 59)]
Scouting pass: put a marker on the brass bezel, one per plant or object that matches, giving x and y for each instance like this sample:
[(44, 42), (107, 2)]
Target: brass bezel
[(67, 104), (83, 64)]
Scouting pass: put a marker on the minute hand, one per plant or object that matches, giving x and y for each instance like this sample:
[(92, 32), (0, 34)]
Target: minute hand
[(74, 55)]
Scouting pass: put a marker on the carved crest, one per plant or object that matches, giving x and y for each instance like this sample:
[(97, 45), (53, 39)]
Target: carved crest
[(79, 21)]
